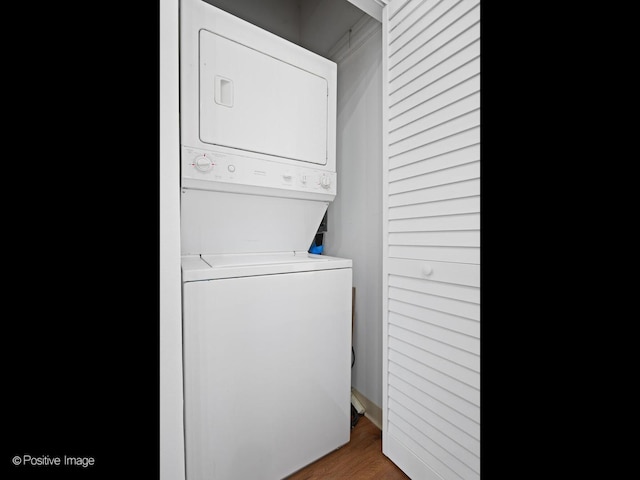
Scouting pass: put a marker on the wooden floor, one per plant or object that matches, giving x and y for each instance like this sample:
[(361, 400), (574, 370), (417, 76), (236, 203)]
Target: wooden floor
[(361, 458)]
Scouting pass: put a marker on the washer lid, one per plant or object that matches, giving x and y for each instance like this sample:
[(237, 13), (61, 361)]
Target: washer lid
[(210, 267)]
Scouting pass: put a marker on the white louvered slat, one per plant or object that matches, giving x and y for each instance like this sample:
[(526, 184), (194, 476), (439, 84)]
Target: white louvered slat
[(446, 336), (462, 446), (464, 69), (446, 207), (440, 402), (437, 147), (466, 188), (450, 466), (430, 100), (399, 10), (453, 291), (438, 127), (434, 302), (438, 25), (439, 254), (465, 359), (450, 159), (408, 442), (435, 223), (409, 131), (429, 49), (436, 239), (402, 442), (443, 180), (464, 44), (461, 373), (452, 453), (431, 238), (423, 14), (433, 393), (434, 376), (437, 421), (455, 323)]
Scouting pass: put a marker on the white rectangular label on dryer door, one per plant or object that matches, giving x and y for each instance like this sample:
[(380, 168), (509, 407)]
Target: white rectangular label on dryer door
[(258, 103)]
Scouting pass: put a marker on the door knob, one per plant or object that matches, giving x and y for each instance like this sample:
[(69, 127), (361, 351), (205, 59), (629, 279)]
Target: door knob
[(427, 269)]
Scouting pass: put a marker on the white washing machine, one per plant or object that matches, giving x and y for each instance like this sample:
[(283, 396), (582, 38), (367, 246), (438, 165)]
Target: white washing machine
[(266, 361), (266, 326)]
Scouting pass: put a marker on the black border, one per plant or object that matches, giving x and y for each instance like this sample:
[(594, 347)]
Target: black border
[(81, 211)]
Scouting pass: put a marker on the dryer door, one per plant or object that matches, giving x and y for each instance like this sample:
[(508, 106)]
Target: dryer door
[(255, 102)]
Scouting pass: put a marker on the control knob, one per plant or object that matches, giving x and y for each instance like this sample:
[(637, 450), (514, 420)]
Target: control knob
[(203, 163), (325, 181)]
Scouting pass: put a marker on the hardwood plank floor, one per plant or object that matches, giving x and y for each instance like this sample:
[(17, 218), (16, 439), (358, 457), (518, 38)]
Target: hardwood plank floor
[(359, 459)]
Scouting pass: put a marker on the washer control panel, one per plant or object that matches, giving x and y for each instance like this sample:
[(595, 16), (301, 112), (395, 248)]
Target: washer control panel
[(199, 164)]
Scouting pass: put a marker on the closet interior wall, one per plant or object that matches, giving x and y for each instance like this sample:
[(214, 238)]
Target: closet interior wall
[(355, 216)]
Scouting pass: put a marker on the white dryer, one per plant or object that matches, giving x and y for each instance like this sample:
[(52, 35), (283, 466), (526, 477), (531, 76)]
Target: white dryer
[(257, 134)]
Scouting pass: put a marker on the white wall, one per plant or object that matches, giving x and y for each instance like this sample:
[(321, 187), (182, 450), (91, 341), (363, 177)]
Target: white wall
[(171, 419), (323, 22), (355, 216)]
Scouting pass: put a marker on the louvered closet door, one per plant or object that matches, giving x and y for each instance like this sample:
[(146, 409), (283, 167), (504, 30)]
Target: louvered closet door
[(431, 332)]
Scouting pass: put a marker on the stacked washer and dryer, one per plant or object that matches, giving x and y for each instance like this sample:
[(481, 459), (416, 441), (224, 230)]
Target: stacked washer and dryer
[(266, 325)]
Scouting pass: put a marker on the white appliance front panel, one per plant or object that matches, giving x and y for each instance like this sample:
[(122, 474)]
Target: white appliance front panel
[(248, 93), (213, 170), (223, 222), (266, 373), (254, 102)]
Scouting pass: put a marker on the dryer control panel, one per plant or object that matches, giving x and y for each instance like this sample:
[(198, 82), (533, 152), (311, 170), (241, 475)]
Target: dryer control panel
[(200, 166)]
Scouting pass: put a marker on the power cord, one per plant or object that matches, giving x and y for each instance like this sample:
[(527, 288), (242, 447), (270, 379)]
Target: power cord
[(355, 416)]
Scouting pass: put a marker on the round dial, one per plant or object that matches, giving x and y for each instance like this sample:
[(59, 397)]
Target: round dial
[(203, 164), (325, 181)]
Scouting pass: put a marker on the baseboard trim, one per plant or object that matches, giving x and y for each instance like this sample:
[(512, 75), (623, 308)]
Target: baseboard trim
[(372, 411)]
